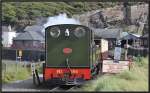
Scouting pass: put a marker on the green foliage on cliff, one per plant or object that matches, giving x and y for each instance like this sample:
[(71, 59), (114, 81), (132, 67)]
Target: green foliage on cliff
[(26, 12)]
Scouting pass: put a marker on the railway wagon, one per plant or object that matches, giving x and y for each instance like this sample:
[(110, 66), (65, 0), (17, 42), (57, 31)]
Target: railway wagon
[(69, 55)]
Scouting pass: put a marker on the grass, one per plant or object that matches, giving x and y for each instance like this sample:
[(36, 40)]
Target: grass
[(134, 80), (13, 72), (13, 76)]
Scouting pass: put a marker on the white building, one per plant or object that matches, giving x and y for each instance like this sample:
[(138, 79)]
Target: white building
[(7, 36)]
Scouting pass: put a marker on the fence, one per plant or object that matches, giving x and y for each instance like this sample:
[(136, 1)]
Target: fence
[(136, 52), (12, 67), (27, 55)]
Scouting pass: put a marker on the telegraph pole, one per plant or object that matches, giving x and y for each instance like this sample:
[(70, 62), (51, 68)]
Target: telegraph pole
[(127, 13)]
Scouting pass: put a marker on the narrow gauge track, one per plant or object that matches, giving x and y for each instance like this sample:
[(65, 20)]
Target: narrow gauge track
[(61, 88), (27, 86), (65, 88)]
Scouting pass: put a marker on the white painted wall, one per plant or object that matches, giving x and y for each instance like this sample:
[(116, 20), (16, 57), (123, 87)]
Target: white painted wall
[(110, 67), (7, 38), (104, 45)]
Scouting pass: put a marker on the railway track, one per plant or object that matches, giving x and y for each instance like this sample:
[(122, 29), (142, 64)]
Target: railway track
[(65, 88), (28, 86), (61, 88)]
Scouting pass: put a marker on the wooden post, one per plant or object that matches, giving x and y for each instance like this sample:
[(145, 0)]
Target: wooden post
[(16, 55), (32, 68), (20, 54), (4, 70), (126, 52), (134, 46), (20, 59), (16, 61)]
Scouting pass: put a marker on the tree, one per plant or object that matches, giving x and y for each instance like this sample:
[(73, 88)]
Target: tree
[(8, 13)]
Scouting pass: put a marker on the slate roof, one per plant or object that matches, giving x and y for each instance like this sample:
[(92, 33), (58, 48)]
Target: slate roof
[(123, 34), (29, 35), (33, 32), (145, 36), (131, 36), (107, 33), (34, 28)]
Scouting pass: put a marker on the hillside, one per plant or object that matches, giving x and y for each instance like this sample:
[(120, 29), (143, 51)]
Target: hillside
[(16, 11), (21, 14)]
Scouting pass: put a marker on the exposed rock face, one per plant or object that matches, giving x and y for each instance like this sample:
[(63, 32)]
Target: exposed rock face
[(139, 12), (114, 14), (84, 18), (102, 18), (97, 20)]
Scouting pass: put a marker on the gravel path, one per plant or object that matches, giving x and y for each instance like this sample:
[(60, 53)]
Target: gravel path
[(25, 86), (28, 86)]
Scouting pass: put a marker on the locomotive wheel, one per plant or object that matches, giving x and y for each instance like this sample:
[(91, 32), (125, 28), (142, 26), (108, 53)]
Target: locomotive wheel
[(36, 80)]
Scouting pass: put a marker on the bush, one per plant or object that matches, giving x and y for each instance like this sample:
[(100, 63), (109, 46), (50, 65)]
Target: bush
[(141, 61), (128, 75), (14, 72), (134, 80)]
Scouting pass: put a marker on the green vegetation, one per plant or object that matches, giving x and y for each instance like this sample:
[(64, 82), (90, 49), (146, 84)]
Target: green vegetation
[(27, 12), (21, 14), (39, 68), (134, 80), (20, 71), (12, 72)]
